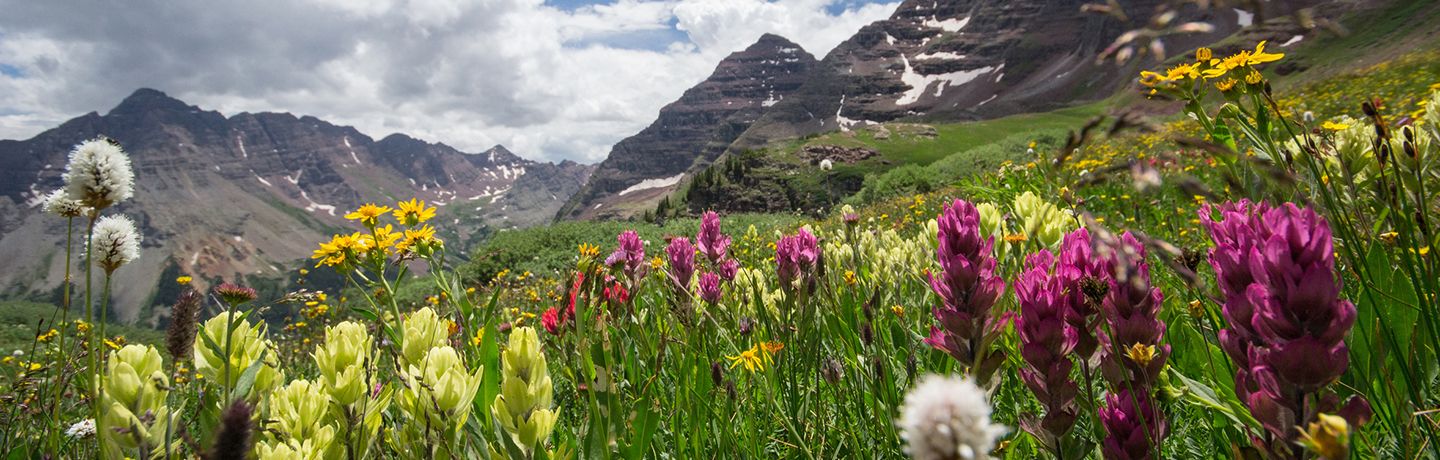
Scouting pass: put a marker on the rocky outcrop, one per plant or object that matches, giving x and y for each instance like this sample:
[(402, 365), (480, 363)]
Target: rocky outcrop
[(251, 194), (692, 131), (968, 59)]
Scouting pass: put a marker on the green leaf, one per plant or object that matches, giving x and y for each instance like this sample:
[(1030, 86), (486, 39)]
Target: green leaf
[(1230, 407), (247, 379)]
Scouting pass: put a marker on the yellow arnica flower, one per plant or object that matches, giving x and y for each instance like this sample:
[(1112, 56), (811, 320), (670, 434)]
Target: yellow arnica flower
[(369, 214), (417, 237), (1141, 354), (1226, 84), (1333, 126), (1203, 54), (341, 248), (1261, 57), (751, 359), (413, 212), (183, 280)]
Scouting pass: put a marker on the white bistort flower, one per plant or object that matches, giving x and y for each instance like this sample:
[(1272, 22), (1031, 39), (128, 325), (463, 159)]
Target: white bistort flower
[(116, 242), (61, 204), (99, 174), (947, 418), (81, 429)]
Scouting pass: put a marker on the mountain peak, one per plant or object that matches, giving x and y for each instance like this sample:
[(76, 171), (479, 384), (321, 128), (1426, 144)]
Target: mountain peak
[(770, 41), (146, 100)]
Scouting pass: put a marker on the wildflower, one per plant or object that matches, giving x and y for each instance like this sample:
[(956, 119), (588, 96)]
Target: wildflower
[(615, 294), (682, 262), (133, 396), (237, 426), (1203, 54), (728, 269), (440, 392), (99, 174), (1334, 126), (1286, 321), (630, 255), (523, 405), (61, 204), (182, 280), (947, 418), (551, 320), (1047, 340), (588, 251), (772, 348), (1131, 307), (1328, 437), (710, 287), (46, 336), (412, 212), (850, 278), (826, 165), (234, 294), (300, 410), (1261, 57), (1130, 425), (796, 256), (1226, 85), (81, 429), (422, 331), (180, 335), (968, 288), (898, 310), (711, 242), (1041, 220), (116, 242), (343, 361), (368, 214), (750, 359), (247, 346), (1016, 238), (420, 240), (342, 250)]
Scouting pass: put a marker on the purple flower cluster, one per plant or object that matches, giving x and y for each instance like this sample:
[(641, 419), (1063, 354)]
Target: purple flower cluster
[(1082, 271), (1046, 341), (682, 262), (968, 288), (1132, 422), (710, 287), (1286, 321), (712, 243), (630, 254), (795, 257), (1134, 355)]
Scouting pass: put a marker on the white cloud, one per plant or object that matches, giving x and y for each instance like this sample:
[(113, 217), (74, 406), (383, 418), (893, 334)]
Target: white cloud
[(546, 82)]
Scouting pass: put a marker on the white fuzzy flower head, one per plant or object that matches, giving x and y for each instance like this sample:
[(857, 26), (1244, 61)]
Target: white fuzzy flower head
[(99, 174), (947, 418), (61, 204), (116, 242), (81, 429), (826, 164)]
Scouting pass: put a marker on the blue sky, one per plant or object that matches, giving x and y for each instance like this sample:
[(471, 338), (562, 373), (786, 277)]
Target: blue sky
[(550, 79)]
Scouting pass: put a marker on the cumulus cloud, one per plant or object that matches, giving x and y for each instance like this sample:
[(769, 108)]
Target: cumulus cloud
[(550, 83)]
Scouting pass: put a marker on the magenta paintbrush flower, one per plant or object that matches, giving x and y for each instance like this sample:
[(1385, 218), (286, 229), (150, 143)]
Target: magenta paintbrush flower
[(795, 256), (710, 287), (1286, 322), (1046, 342), (630, 254), (712, 243), (1134, 356), (968, 288), (1131, 425), (682, 261), (1082, 271)]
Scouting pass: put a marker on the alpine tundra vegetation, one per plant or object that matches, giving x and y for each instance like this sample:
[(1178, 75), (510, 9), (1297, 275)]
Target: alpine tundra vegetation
[(1228, 257)]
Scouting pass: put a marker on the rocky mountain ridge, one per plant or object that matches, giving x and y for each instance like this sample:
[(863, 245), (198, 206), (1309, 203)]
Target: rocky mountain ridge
[(251, 194), (692, 131)]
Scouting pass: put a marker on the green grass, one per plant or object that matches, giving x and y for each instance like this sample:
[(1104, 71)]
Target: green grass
[(20, 321), (952, 138)]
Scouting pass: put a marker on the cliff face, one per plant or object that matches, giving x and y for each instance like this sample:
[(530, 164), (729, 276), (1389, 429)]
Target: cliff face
[(967, 59), (692, 131), (251, 194)]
